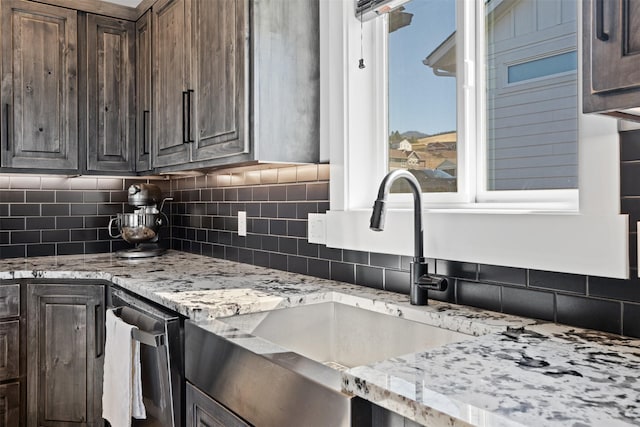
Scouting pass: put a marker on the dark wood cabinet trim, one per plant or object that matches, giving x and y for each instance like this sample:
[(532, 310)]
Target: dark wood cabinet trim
[(98, 7)]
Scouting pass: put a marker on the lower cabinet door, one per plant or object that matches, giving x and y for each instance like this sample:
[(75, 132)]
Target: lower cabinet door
[(203, 411), (65, 339), (9, 350), (10, 405)]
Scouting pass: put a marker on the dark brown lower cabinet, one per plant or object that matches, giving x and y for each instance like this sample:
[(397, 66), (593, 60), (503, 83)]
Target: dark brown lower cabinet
[(203, 411), (65, 351), (10, 404)]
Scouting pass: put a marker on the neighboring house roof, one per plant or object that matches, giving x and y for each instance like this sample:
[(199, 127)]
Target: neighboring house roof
[(403, 145), (443, 58), (440, 146), (404, 155), (447, 165)]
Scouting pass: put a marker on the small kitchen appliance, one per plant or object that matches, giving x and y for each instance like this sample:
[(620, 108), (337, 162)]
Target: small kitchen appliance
[(141, 227)]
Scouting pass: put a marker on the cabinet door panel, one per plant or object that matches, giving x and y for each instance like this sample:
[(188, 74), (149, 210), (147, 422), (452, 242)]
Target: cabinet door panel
[(110, 94), (9, 350), (170, 72), (9, 301), (619, 50), (64, 356), (219, 38), (286, 45), (39, 86), (10, 405)]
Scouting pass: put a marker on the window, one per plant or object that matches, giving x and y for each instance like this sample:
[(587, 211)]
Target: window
[(543, 67), (422, 94), (575, 227), (531, 130)]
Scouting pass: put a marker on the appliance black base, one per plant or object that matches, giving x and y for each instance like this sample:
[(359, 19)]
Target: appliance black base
[(141, 251)]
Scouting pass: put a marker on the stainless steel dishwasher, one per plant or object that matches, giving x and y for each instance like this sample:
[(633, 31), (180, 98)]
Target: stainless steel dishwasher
[(160, 331)]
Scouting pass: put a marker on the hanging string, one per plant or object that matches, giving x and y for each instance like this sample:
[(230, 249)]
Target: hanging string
[(361, 62)]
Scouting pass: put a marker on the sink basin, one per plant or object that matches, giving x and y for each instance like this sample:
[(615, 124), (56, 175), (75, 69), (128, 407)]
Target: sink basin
[(342, 336)]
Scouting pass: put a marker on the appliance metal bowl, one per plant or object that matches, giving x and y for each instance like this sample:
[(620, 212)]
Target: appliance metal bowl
[(138, 227)]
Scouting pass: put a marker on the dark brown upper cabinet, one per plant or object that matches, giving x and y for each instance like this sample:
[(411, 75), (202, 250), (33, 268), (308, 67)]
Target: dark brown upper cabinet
[(286, 80), (218, 109), (199, 81), (39, 86), (611, 60), (201, 85), (171, 53), (109, 124)]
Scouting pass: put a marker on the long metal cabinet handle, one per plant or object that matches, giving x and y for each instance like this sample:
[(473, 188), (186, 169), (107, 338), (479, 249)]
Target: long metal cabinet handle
[(186, 116), (184, 120), (189, 92), (185, 97), (600, 34), (7, 114), (99, 330), (145, 125)]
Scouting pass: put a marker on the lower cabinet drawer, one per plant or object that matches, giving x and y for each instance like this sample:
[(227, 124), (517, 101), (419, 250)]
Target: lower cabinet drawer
[(9, 350), (10, 405)]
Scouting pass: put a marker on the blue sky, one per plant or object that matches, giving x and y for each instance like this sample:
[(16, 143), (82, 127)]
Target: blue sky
[(418, 99)]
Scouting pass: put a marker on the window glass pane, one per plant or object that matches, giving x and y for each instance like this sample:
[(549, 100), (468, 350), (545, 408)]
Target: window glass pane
[(532, 126), (544, 67), (422, 94)]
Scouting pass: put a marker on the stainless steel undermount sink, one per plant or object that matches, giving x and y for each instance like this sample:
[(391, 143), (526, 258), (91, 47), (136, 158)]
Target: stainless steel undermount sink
[(342, 336)]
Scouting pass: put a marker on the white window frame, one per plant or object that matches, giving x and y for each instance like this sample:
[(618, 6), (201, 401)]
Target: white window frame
[(583, 235)]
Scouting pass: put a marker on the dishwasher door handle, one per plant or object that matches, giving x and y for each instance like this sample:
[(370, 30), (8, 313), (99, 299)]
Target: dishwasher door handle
[(135, 318)]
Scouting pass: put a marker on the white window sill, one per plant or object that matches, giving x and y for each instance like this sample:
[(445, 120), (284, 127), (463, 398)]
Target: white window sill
[(564, 242)]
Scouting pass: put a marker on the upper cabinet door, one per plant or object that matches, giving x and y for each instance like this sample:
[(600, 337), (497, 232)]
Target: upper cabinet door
[(286, 80), (110, 51), (143, 92), (171, 50), (220, 34), (611, 47), (39, 86)]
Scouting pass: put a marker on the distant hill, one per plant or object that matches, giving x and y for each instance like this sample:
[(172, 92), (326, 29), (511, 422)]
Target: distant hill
[(413, 134)]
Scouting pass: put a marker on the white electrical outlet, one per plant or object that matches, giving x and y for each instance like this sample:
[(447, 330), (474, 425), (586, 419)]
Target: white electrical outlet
[(242, 223), (316, 230)]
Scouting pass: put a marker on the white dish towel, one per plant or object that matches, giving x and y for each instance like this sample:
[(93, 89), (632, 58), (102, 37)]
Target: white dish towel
[(122, 385)]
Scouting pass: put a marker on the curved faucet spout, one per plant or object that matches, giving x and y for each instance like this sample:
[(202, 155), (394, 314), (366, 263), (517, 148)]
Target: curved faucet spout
[(420, 280), (379, 206)]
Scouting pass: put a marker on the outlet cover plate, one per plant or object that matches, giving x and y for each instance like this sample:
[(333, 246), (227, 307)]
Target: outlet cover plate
[(317, 229), (242, 223)]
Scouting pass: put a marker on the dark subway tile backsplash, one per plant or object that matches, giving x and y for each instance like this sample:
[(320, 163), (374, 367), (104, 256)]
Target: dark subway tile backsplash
[(494, 273), (630, 323), (480, 295), (58, 215), (528, 303), (603, 315), (558, 281)]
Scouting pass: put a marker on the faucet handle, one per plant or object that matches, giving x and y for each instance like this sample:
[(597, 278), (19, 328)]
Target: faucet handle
[(432, 282)]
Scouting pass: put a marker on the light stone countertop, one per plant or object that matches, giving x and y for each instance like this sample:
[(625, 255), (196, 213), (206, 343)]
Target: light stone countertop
[(515, 372)]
